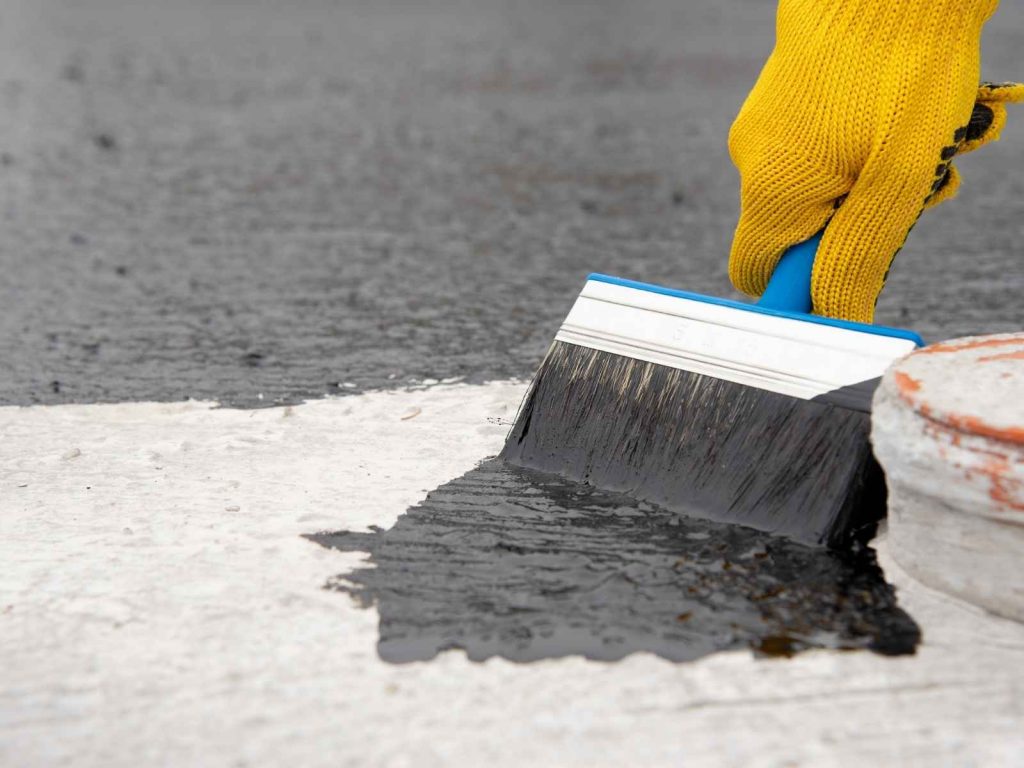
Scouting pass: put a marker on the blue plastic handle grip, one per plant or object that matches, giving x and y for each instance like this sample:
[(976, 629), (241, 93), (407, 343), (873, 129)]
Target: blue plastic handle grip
[(789, 290)]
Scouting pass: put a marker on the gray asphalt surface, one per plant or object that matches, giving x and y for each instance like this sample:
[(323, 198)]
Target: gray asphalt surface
[(261, 202)]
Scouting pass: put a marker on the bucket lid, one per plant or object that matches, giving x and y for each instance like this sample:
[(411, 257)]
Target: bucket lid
[(974, 385)]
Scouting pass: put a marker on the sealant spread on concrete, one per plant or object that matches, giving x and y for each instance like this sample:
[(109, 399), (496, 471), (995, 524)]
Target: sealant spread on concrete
[(511, 562)]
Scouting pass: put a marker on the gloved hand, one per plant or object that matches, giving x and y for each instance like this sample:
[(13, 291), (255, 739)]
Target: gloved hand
[(854, 123)]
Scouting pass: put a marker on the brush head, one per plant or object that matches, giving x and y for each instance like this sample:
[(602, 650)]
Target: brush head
[(713, 408)]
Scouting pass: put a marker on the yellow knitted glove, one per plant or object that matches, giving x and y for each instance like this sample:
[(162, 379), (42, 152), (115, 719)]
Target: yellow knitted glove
[(854, 123)]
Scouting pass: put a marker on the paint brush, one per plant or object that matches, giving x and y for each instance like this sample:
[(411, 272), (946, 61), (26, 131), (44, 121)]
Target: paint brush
[(751, 414)]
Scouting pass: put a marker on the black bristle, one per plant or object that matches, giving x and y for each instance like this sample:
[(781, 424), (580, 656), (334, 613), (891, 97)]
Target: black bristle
[(702, 446)]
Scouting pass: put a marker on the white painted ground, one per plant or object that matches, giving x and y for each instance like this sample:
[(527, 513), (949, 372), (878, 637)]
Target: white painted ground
[(158, 607)]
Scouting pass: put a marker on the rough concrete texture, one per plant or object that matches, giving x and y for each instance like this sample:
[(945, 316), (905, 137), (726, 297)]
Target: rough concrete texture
[(224, 199), (948, 425), (159, 607)]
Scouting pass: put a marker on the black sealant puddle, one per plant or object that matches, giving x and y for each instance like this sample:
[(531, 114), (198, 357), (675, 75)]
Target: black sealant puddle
[(514, 563)]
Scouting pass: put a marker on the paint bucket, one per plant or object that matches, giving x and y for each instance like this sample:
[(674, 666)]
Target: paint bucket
[(948, 427)]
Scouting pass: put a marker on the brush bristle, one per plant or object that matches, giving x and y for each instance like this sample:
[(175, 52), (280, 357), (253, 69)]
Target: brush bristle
[(702, 446)]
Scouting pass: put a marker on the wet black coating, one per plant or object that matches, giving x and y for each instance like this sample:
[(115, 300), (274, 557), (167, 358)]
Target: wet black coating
[(227, 198), (702, 446), (515, 563)]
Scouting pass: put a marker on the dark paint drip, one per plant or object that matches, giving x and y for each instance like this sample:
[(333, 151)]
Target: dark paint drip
[(702, 446), (515, 563)]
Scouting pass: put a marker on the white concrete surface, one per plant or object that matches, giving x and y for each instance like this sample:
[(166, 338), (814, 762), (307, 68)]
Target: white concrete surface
[(948, 426), (158, 607)]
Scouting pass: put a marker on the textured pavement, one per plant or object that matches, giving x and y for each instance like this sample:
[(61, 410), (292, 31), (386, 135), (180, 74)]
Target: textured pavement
[(260, 202), (159, 606)]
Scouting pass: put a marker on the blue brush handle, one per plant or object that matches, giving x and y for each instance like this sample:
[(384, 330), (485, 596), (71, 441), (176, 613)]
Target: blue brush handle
[(789, 290)]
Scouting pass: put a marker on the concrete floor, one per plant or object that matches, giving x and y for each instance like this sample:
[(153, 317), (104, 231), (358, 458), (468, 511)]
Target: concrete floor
[(289, 198), (159, 606)]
